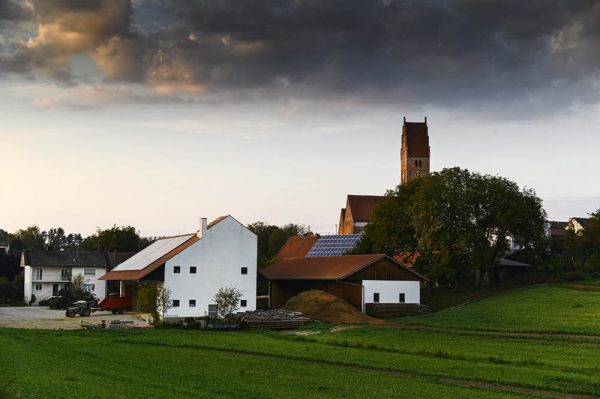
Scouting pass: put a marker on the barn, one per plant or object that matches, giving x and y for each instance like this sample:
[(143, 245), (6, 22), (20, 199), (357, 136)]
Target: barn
[(358, 279)]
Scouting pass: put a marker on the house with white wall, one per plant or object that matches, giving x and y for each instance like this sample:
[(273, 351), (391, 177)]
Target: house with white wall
[(48, 272), (194, 266)]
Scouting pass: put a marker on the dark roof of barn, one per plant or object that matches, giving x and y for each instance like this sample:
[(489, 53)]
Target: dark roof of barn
[(66, 258), (361, 206), (417, 139), (324, 268)]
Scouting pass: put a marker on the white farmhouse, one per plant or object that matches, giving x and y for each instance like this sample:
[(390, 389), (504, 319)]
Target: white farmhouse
[(47, 272), (194, 266)]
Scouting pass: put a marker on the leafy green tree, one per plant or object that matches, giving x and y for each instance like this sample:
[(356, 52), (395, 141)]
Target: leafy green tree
[(458, 221), (583, 248), (271, 238), (227, 300), (124, 238), (30, 238)]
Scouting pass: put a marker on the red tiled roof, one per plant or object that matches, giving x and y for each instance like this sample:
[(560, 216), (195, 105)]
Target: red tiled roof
[(323, 268), (296, 247), (361, 206), (416, 139)]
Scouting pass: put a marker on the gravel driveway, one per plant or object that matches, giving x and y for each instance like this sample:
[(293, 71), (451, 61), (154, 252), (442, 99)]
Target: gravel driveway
[(42, 317)]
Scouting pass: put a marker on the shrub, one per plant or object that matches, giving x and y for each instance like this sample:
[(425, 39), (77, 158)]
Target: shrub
[(227, 300), (61, 302)]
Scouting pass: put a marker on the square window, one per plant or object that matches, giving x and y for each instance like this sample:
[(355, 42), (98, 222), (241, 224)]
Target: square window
[(243, 303), (376, 297), (192, 269), (89, 272), (192, 303), (244, 270), (38, 287), (176, 269), (175, 303), (402, 298)]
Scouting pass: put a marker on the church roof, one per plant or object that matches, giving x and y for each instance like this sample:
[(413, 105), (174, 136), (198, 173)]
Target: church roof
[(416, 139), (361, 206)]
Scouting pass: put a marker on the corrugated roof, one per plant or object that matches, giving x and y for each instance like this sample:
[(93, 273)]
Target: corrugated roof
[(361, 206), (503, 262), (324, 268), (296, 247), (318, 268), (66, 258)]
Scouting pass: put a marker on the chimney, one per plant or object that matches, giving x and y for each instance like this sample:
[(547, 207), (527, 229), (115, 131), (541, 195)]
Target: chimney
[(202, 229), (405, 120), (425, 120)]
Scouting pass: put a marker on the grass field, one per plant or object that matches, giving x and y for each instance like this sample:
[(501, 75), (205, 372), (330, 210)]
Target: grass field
[(419, 361), (534, 309)]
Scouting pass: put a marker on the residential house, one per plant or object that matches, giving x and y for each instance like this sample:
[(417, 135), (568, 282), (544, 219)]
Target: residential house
[(48, 272), (194, 266), (357, 213), (577, 225), (5, 247)]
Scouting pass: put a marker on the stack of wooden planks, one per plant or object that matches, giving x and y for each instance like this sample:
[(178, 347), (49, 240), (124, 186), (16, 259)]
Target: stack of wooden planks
[(383, 310), (273, 319)]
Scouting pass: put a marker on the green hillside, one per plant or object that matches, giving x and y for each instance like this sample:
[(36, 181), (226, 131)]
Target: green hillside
[(532, 309)]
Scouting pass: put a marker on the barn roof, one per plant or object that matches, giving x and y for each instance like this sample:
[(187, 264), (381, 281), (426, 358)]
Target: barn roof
[(297, 247), (361, 206), (154, 256), (65, 258), (324, 268)]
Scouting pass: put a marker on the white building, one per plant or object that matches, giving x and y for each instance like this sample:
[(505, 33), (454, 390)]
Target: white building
[(194, 266), (47, 272)]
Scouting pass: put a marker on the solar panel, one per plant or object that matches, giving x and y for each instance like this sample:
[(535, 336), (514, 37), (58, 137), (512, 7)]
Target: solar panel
[(334, 245)]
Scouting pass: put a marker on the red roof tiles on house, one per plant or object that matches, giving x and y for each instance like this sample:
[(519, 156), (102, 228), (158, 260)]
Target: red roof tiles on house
[(296, 247), (361, 206)]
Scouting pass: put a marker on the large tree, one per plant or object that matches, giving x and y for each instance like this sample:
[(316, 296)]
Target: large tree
[(458, 221)]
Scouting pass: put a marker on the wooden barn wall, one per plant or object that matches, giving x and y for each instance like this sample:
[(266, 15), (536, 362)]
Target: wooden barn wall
[(283, 290), (383, 269)]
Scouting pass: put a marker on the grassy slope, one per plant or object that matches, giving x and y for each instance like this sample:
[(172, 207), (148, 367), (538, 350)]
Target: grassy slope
[(538, 309), (366, 362)]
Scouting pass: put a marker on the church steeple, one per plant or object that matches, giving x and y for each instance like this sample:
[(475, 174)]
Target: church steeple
[(415, 152)]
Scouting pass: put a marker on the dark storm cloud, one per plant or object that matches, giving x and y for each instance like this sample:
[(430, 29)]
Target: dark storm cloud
[(432, 52)]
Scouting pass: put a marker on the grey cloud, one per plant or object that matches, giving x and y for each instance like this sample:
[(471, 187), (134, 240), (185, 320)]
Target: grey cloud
[(447, 53)]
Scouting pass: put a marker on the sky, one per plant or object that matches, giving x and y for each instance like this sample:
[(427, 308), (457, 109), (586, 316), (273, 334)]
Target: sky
[(154, 113)]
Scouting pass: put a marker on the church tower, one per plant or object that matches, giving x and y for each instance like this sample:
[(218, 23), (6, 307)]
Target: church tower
[(414, 154)]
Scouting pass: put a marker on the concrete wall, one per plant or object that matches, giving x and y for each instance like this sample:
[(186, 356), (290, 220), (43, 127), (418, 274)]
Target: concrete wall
[(218, 257), (389, 291)]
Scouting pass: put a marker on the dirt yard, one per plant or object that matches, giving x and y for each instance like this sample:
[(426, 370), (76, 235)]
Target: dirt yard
[(44, 318)]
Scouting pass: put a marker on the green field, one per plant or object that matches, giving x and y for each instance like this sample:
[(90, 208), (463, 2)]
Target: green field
[(438, 358)]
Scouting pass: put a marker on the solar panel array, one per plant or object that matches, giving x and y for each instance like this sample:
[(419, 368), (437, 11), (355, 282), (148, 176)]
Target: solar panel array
[(334, 245)]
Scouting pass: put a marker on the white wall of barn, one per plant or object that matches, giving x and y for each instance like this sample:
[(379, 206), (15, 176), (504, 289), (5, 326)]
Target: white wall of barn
[(218, 257), (389, 291)]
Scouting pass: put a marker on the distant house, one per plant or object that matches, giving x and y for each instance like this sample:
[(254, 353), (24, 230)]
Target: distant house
[(4, 247), (194, 266), (357, 213), (47, 272), (558, 230), (357, 279), (577, 225)]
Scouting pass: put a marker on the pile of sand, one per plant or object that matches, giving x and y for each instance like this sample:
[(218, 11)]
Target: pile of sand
[(322, 306)]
